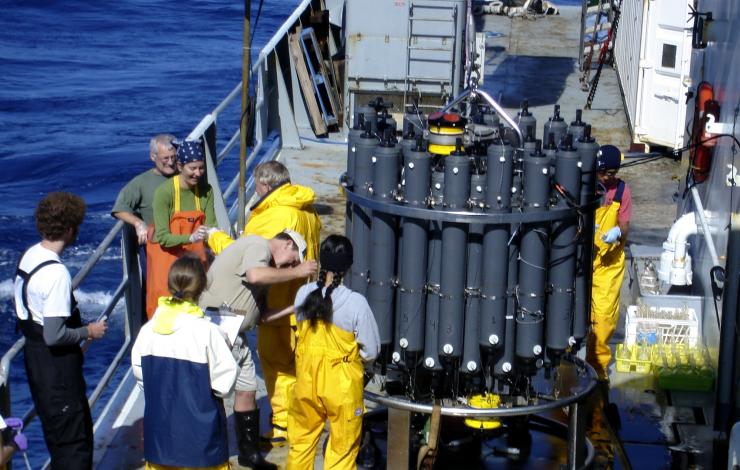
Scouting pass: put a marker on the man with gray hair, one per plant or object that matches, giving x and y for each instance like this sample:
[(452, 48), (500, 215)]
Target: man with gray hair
[(281, 205), (134, 202)]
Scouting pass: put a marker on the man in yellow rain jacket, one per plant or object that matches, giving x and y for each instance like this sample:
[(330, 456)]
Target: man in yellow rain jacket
[(612, 221), (282, 205)]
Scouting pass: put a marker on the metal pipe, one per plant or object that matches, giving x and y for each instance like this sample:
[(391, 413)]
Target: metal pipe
[(724, 409), (243, 120), (402, 403), (227, 101), (97, 254), (576, 435), (281, 33), (235, 181), (704, 226), (103, 382), (466, 217), (200, 129), (108, 309), (227, 148), (501, 113)]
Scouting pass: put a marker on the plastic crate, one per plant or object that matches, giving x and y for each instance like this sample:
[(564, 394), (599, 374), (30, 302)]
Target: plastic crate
[(634, 358), (682, 367), (666, 325)]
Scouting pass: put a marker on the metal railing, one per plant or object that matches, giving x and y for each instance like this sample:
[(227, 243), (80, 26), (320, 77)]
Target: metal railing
[(271, 119), (10, 355)]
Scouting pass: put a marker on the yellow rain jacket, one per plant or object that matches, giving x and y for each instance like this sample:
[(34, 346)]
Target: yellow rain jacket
[(288, 206), (608, 271), (329, 386)]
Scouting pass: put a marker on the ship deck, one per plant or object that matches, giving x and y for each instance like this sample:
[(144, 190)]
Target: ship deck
[(534, 59)]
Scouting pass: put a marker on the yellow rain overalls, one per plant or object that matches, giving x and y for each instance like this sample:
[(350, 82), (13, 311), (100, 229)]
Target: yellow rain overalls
[(329, 385), (287, 206), (608, 271)]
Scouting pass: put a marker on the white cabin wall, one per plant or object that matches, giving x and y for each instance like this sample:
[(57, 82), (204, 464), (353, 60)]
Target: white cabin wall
[(627, 52)]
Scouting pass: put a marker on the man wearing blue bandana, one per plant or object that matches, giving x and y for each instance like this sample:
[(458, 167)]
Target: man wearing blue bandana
[(183, 210)]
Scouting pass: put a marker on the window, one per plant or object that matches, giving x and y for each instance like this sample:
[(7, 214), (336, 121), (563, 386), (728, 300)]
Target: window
[(669, 56)]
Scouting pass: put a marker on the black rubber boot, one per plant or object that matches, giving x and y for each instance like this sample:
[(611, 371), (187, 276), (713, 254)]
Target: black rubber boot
[(247, 438)]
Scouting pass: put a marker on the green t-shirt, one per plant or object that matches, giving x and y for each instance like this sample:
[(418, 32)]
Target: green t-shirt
[(164, 207), (138, 195)]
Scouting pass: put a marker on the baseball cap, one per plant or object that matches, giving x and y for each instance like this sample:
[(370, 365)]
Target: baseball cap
[(299, 241), (608, 158)]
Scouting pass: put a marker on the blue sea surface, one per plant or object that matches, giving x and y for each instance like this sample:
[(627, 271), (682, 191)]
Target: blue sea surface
[(83, 87)]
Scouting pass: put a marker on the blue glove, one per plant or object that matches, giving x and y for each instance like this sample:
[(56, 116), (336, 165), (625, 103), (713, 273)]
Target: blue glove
[(16, 424), (612, 236), (20, 441)]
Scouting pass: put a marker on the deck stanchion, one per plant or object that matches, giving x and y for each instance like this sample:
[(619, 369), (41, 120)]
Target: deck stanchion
[(241, 195), (134, 292)]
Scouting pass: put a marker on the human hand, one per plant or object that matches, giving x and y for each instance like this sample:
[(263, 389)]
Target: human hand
[(141, 231), (307, 268), (612, 235), (97, 330), (200, 234)]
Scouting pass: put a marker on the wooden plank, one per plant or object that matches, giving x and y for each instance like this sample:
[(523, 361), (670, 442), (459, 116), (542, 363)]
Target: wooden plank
[(328, 77), (309, 97), (338, 66)]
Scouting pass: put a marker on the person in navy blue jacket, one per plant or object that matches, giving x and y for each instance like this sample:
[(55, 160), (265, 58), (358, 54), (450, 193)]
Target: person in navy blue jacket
[(185, 367)]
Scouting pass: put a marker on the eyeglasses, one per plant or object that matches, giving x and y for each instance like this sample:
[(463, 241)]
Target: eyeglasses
[(167, 158)]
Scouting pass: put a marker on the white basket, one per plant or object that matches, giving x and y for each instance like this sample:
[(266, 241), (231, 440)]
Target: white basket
[(666, 323)]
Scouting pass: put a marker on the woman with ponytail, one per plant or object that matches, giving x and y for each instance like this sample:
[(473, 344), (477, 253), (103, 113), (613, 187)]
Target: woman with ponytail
[(337, 333), (185, 367)]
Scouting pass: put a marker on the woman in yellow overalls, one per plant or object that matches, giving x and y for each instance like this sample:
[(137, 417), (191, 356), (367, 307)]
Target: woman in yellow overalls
[(183, 211), (612, 224), (336, 334)]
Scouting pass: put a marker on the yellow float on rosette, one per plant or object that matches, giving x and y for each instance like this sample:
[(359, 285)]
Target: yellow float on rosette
[(444, 131), (484, 401)]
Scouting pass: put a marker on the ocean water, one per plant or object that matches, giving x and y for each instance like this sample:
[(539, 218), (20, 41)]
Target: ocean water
[(83, 86)]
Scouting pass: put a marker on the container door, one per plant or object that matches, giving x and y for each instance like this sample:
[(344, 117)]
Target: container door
[(664, 70)]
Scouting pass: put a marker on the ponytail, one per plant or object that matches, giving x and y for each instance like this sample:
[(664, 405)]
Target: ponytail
[(318, 305), (335, 255)]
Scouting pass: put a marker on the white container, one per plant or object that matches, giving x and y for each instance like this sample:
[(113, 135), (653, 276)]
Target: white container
[(653, 60), (667, 324)]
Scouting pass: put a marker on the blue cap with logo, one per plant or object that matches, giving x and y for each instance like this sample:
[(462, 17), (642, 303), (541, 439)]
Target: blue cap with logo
[(608, 158)]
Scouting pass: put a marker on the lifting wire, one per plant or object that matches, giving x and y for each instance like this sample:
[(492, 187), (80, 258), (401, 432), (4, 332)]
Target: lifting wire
[(602, 55)]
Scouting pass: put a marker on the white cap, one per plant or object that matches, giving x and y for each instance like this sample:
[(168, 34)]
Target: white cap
[(299, 241)]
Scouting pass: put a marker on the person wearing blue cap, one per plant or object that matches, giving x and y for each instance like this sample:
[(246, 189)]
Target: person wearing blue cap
[(183, 211), (612, 221)]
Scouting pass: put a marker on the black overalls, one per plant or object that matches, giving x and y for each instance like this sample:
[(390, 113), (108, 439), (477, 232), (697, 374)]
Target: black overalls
[(58, 389)]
